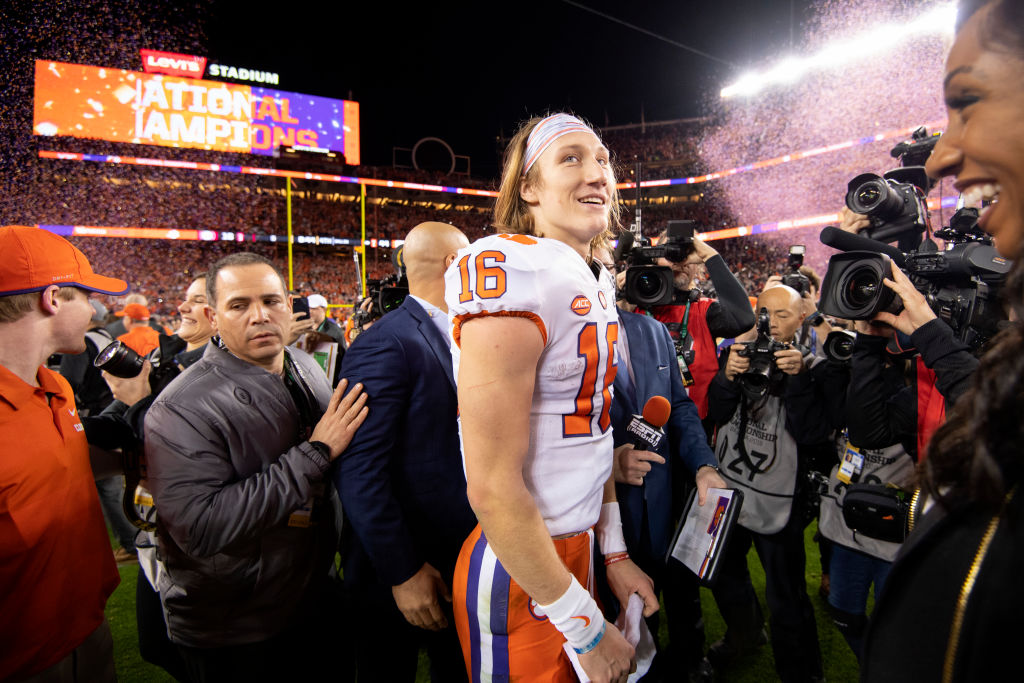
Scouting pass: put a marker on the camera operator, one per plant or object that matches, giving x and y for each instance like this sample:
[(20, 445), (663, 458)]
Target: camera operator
[(772, 400), (695, 324), (806, 281), (881, 414), (813, 332)]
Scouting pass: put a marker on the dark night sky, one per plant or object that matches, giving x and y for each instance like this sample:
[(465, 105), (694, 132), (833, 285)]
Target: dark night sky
[(464, 71)]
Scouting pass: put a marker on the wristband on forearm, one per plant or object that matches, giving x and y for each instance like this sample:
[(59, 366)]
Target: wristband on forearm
[(609, 530), (577, 617)]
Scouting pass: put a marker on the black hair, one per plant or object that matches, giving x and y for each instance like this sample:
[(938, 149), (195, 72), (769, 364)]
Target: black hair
[(242, 258), (976, 453)]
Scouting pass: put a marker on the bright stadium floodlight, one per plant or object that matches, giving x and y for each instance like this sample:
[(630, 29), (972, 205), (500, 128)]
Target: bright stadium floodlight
[(938, 19)]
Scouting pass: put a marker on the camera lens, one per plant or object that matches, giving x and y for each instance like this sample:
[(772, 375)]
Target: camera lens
[(875, 197), (868, 195), (119, 360), (648, 285), (862, 287), (838, 346), (754, 383)]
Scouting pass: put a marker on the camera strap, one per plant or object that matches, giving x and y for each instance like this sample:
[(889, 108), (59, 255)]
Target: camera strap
[(680, 343)]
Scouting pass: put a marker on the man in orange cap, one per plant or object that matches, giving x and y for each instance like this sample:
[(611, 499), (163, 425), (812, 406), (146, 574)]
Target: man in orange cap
[(55, 561), (140, 337)]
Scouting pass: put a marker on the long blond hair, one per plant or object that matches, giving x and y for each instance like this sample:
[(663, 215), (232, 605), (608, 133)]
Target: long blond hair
[(512, 213)]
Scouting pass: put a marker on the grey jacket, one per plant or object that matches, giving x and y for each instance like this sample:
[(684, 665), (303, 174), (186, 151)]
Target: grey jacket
[(227, 467)]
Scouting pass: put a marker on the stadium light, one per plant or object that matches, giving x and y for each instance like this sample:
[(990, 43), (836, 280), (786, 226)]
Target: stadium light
[(939, 19)]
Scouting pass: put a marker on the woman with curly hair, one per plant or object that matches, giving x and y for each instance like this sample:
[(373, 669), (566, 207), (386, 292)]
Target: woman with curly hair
[(952, 608)]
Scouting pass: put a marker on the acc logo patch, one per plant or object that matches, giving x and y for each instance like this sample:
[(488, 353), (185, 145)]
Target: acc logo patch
[(602, 299), (580, 305)]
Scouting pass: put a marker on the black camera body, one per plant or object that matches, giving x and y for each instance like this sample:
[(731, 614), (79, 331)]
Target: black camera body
[(895, 209), (387, 294), (120, 360), (895, 202), (763, 371), (648, 284), (962, 284), (793, 277)]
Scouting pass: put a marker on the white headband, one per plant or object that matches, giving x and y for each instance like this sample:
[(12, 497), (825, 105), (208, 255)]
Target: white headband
[(549, 130)]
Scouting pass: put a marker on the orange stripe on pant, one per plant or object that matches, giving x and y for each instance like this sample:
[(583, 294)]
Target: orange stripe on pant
[(502, 637)]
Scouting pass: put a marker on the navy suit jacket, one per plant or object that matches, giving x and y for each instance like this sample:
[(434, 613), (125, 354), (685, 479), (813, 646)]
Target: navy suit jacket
[(652, 356), (400, 480)]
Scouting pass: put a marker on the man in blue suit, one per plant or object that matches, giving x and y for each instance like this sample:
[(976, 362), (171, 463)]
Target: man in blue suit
[(401, 481), (648, 501)]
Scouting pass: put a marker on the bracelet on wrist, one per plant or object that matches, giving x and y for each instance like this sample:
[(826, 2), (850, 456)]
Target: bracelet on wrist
[(615, 558)]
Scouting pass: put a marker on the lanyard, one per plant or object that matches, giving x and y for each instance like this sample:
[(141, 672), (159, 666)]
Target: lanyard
[(686, 319)]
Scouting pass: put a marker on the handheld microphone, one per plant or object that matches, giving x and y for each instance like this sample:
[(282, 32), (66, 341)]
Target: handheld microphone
[(848, 241), (646, 430)]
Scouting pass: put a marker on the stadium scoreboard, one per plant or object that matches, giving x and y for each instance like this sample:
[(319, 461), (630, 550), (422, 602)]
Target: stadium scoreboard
[(118, 105)]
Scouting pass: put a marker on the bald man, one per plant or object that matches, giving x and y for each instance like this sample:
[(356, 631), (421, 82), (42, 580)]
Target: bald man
[(401, 481), (761, 446)]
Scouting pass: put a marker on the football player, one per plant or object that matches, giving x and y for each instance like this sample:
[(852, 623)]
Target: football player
[(534, 331)]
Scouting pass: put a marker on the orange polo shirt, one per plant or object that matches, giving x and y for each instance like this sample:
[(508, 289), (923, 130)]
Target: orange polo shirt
[(56, 564), (141, 340)]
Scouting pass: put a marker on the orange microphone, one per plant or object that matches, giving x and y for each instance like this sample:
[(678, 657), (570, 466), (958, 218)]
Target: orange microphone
[(646, 430)]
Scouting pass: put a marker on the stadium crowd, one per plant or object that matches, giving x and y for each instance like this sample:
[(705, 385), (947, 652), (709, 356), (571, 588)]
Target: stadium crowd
[(667, 149)]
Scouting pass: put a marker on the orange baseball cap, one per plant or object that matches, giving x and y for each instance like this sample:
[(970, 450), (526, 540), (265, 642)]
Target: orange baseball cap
[(33, 259), (134, 311)]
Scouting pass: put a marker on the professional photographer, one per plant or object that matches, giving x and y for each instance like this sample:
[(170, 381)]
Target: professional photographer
[(382, 297), (881, 413), (771, 400), (807, 283), (952, 606), (944, 307), (695, 321)]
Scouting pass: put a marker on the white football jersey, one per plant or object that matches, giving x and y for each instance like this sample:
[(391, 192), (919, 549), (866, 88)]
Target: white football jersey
[(547, 282)]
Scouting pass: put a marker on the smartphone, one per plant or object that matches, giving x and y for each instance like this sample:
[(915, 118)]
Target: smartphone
[(300, 304)]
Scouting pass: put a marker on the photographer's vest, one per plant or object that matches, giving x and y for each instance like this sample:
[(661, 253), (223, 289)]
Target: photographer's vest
[(705, 353), (892, 465), (767, 473)]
